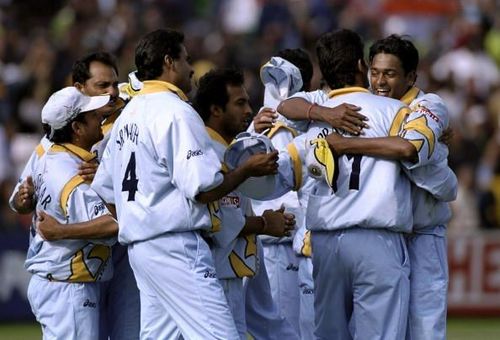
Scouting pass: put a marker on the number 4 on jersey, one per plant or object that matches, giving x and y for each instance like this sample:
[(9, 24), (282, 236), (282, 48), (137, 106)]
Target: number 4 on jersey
[(130, 180)]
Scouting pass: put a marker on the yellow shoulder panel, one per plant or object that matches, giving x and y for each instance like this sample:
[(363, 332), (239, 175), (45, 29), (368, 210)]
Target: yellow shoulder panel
[(68, 189), (398, 121), (40, 151), (280, 125)]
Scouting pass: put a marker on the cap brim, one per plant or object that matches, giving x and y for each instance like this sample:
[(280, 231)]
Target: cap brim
[(96, 102)]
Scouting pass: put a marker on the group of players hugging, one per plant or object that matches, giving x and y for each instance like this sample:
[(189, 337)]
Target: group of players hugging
[(323, 216)]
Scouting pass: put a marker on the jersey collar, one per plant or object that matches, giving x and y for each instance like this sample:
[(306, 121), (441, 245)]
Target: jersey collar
[(76, 150), (154, 86), (410, 96), (346, 90), (216, 136)]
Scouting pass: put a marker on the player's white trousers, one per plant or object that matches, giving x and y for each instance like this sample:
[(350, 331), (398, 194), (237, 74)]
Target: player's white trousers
[(120, 306), (428, 285), (233, 289), (68, 311), (361, 284), (264, 321), (179, 290), (282, 265), (306, 286)]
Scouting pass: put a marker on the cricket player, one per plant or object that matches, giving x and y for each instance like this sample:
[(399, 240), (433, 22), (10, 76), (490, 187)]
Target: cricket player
[(94, 74), (64, 291), (223, 103), (161, 172)]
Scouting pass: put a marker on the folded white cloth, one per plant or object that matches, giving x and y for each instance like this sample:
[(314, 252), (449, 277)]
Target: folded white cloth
[(281, 79)]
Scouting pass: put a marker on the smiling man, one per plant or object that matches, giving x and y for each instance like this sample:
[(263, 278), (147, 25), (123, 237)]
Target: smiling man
[(393, 72)]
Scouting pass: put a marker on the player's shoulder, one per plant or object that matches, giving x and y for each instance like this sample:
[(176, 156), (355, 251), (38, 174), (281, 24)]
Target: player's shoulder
[(433, 106)]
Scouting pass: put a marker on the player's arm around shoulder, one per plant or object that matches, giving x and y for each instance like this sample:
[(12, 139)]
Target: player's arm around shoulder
[(87, 217)]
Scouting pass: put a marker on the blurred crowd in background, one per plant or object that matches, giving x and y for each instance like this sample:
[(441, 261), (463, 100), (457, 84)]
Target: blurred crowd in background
[(458, 41)]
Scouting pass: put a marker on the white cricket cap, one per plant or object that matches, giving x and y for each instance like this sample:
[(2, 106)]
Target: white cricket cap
[(245, 145), (64, 105)]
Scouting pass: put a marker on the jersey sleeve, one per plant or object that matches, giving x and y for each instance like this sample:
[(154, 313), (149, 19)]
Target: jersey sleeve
[(187, 152), (424, 125), (27, 171), (290, 167), (437, 179), (84, 205), (103, 179), (30, 167)]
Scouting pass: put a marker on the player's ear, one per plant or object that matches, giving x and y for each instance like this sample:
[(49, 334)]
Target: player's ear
[(76, 127), (168, 61), (215, 110), (411, 78), (362, 66), (80, 87)]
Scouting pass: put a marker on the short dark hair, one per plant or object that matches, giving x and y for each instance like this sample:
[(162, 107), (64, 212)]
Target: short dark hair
[(152, 49), (212, 89), (81, 68), (398, 46), (300, 58), (64, 134), (338, 55)]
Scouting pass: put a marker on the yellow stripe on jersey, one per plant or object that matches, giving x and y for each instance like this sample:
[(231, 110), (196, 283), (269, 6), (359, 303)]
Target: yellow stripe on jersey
[(239, 266), (216, 136), (80, 271), (297, 165), (346, 90), (214, 209), (417, 143), (410, 96), (76, 150), (398, 121), (40, 151), (155, 86), (110, 120), (421, 126), (251, 247), (306, 249), (278, 126), (324, 156), (68, 189)]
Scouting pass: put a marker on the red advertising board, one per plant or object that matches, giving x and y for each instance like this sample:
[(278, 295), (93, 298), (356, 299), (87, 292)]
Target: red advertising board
[(474, 264)]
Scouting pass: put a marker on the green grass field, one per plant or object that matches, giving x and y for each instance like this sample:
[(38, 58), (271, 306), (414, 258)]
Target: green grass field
[(458, 329)]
